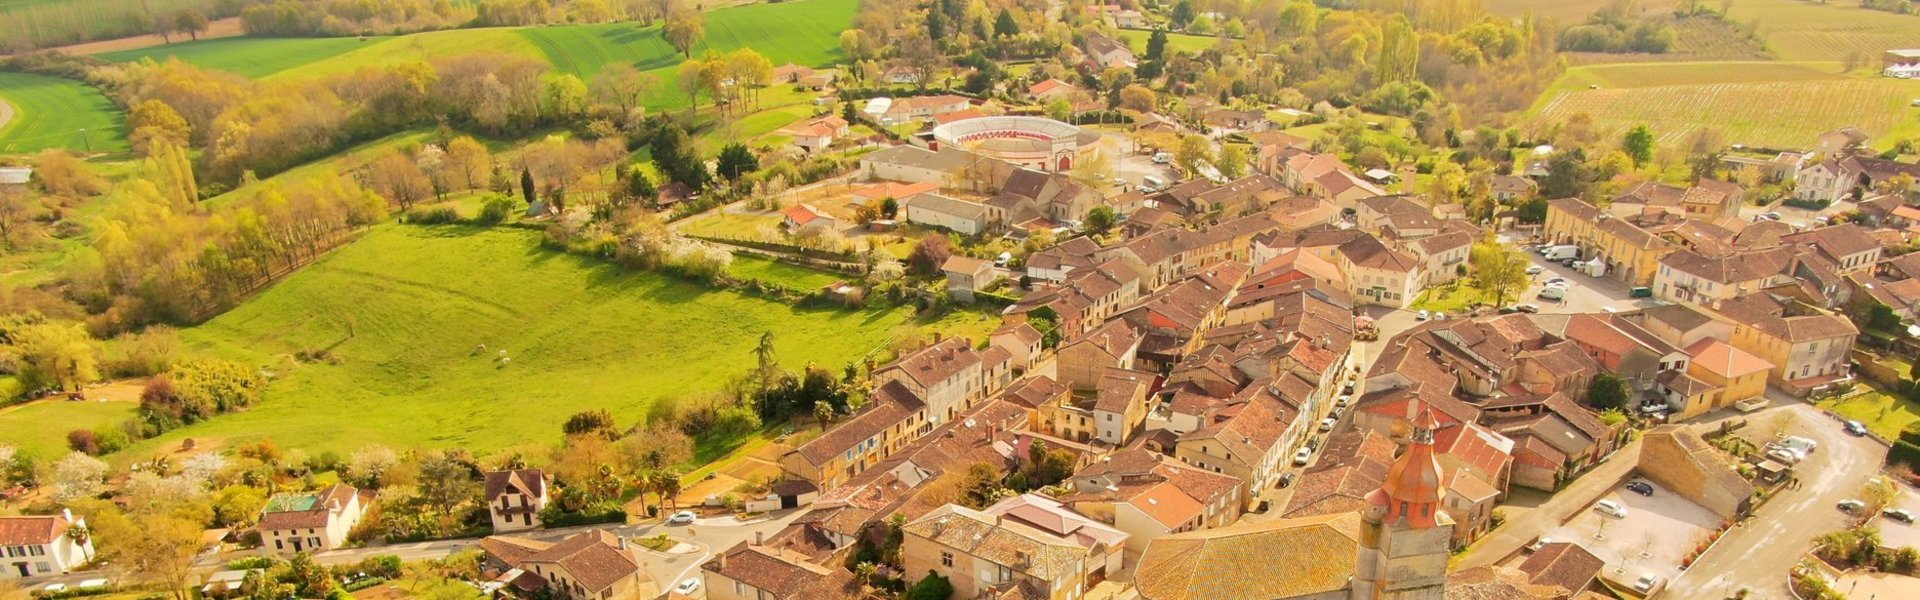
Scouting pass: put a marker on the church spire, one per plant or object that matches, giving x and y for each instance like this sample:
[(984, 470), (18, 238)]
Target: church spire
[(1413, 488)]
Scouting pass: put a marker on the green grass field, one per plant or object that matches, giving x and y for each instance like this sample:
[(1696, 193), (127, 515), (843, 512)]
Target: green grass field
[(793, 276), (247, 56), (1767, 104), (405, 310), (40, 428), (50, 112), (804, 32), (1176, 42), (1886, 414)]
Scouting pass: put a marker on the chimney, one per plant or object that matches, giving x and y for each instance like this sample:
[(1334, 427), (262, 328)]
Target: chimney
[(723, 561), (67, 513), (936, 337), (622, 542), (759, 538)]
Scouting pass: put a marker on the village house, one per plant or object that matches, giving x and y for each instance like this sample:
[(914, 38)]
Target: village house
[(816, 134), (1105, 545), (1732, 374), (1509, 188), (1628, 252), (1109, 52), (1021, 342), (966, 275), (980, 554), (595, 565), (802, 215), (43, 545), (1688, 277), (1110, 413), (893, 417), (1084, 359), (948, 374), (1149, 495), (924, 108), (1554, 438), (1807, 346), (1851, 248), (1245, 438), (515, 498), (752, 570), (310, 522), (1680, 325), (1377, 274), (1051, 89)]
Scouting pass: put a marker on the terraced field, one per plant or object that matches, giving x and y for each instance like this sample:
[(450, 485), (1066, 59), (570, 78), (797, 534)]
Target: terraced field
[(248, 56), (1757, 104), (50, 112)]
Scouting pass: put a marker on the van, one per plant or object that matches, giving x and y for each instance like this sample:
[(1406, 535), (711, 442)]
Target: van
[(1641, 292), (1561, 252), (1154, 181), (1162, 157), (1553, 293)]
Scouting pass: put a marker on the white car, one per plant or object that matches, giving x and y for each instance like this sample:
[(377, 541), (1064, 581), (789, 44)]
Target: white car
[(1609, 309), (684, 517), (1535, 269), (689, 586), (1609, 507), (1327, 424), (1302, 457), (1559, 282), (1422, 315), (1646, 582), (1538, 543)]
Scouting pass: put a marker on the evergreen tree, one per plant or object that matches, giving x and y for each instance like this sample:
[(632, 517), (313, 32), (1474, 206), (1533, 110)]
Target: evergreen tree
[(1003, 24), (1157, 45), (1182, 14), (526, 187), (736, 160)]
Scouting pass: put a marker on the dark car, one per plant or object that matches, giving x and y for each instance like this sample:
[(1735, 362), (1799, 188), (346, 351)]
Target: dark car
[(1640, 487), (1898, 515), (1286, 480)]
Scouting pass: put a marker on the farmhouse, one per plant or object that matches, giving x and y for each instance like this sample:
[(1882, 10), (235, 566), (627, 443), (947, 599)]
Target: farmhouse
[(816, 134), (310, 522), (595, 565), (1108, 52), (37, 546), (803, 215), (515, 498), (953, 214)]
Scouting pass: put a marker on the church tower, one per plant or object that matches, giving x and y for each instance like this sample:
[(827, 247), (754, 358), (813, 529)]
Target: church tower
[(1404, 536)]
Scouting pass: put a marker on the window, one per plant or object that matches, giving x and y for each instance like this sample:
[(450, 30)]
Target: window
[(946, 559), (36, 550), (279, 546), (42, 566)]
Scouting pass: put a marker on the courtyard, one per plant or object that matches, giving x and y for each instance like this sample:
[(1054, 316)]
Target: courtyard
[(1656, 537)]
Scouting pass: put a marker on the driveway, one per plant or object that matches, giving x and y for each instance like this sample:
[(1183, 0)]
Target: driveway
[(1758, 552), (1545, 519)]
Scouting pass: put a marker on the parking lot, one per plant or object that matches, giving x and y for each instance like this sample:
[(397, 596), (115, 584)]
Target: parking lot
[(1585, 293), (1897, 534), (1655, 536)]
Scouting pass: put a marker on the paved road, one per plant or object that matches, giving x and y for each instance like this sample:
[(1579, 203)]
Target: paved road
[(1588, 294), (1758, 553)]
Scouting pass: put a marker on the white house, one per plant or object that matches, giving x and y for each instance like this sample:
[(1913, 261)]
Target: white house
[(515, 498), (935, 210), (310, 522), (43, 545)]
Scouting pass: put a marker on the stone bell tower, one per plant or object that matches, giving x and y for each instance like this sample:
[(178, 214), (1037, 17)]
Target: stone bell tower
[(1404, 536)]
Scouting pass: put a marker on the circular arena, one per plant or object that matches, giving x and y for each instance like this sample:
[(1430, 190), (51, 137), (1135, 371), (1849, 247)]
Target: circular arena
[(1032, 142)]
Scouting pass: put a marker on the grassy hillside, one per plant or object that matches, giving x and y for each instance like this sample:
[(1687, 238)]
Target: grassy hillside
[(50, 112), (1795, 30), (804, 32), (247, 56), (403, 313), (1753, 103), (40, 428)]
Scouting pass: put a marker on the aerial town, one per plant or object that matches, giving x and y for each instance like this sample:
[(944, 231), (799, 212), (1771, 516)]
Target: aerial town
[(945, 300)]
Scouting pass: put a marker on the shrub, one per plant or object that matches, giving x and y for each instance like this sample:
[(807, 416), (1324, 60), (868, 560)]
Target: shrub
[(496, 210), (931, 587), (433, 215), (81, 440)]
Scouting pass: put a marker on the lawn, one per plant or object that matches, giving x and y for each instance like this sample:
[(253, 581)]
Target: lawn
[(793, 276), (50, 112), (247, 56), (1176, 42), (40, 428), (1452, 297), (724, 224), (1759, 104), (1886, 414), (414, 321)]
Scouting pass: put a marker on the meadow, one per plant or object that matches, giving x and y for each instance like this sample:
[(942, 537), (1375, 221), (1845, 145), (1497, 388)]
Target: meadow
[(1176, 42), (412, 323), (50, 112), (247, 56), (1763, 104)]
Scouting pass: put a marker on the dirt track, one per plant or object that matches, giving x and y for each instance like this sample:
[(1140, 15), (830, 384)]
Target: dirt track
[(227, 27)]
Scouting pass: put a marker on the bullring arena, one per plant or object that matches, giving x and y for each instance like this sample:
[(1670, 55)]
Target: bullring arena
[(1032, 142)]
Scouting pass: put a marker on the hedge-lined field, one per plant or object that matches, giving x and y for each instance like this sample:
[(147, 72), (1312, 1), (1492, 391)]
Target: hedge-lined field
[(50, 112), (248, 56)]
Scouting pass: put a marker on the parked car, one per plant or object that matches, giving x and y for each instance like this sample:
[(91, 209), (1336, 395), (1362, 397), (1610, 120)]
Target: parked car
[(1327, 424), (1898, 514), (1303, 456), (1770, 216), (1855, 428), (1559, 282), (1611, 508), (1422, 315), (1345, 400), (689, 586), (1285, 480), (1640, 292), (1646, 582), (1640, 487), (684, 517), (1527, 308), (1784, 456), (1538, 543), (1535, 269), (1851, 506), (1553, 293)]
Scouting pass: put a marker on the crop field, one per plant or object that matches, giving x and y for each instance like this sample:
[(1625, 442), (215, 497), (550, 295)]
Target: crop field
[(1797, 30), (415, 321), (247, 56), (26, 24), (1757, 104), (50, 112)]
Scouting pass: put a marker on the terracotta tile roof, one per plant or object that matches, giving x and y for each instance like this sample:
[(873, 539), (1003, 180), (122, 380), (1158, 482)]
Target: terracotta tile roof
[(1470, 486), (1730, 269), (1485, 450), (594, 558), (1367, 251), (891, 404), (783, 573), (1285, 558), (802, 213), (1168, 505), (1725, 360), (1838, 241), (936, 363), (532, 482), (1048, 86), (31, 531), (1564, 565), (304, 511), (1497, 583)]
